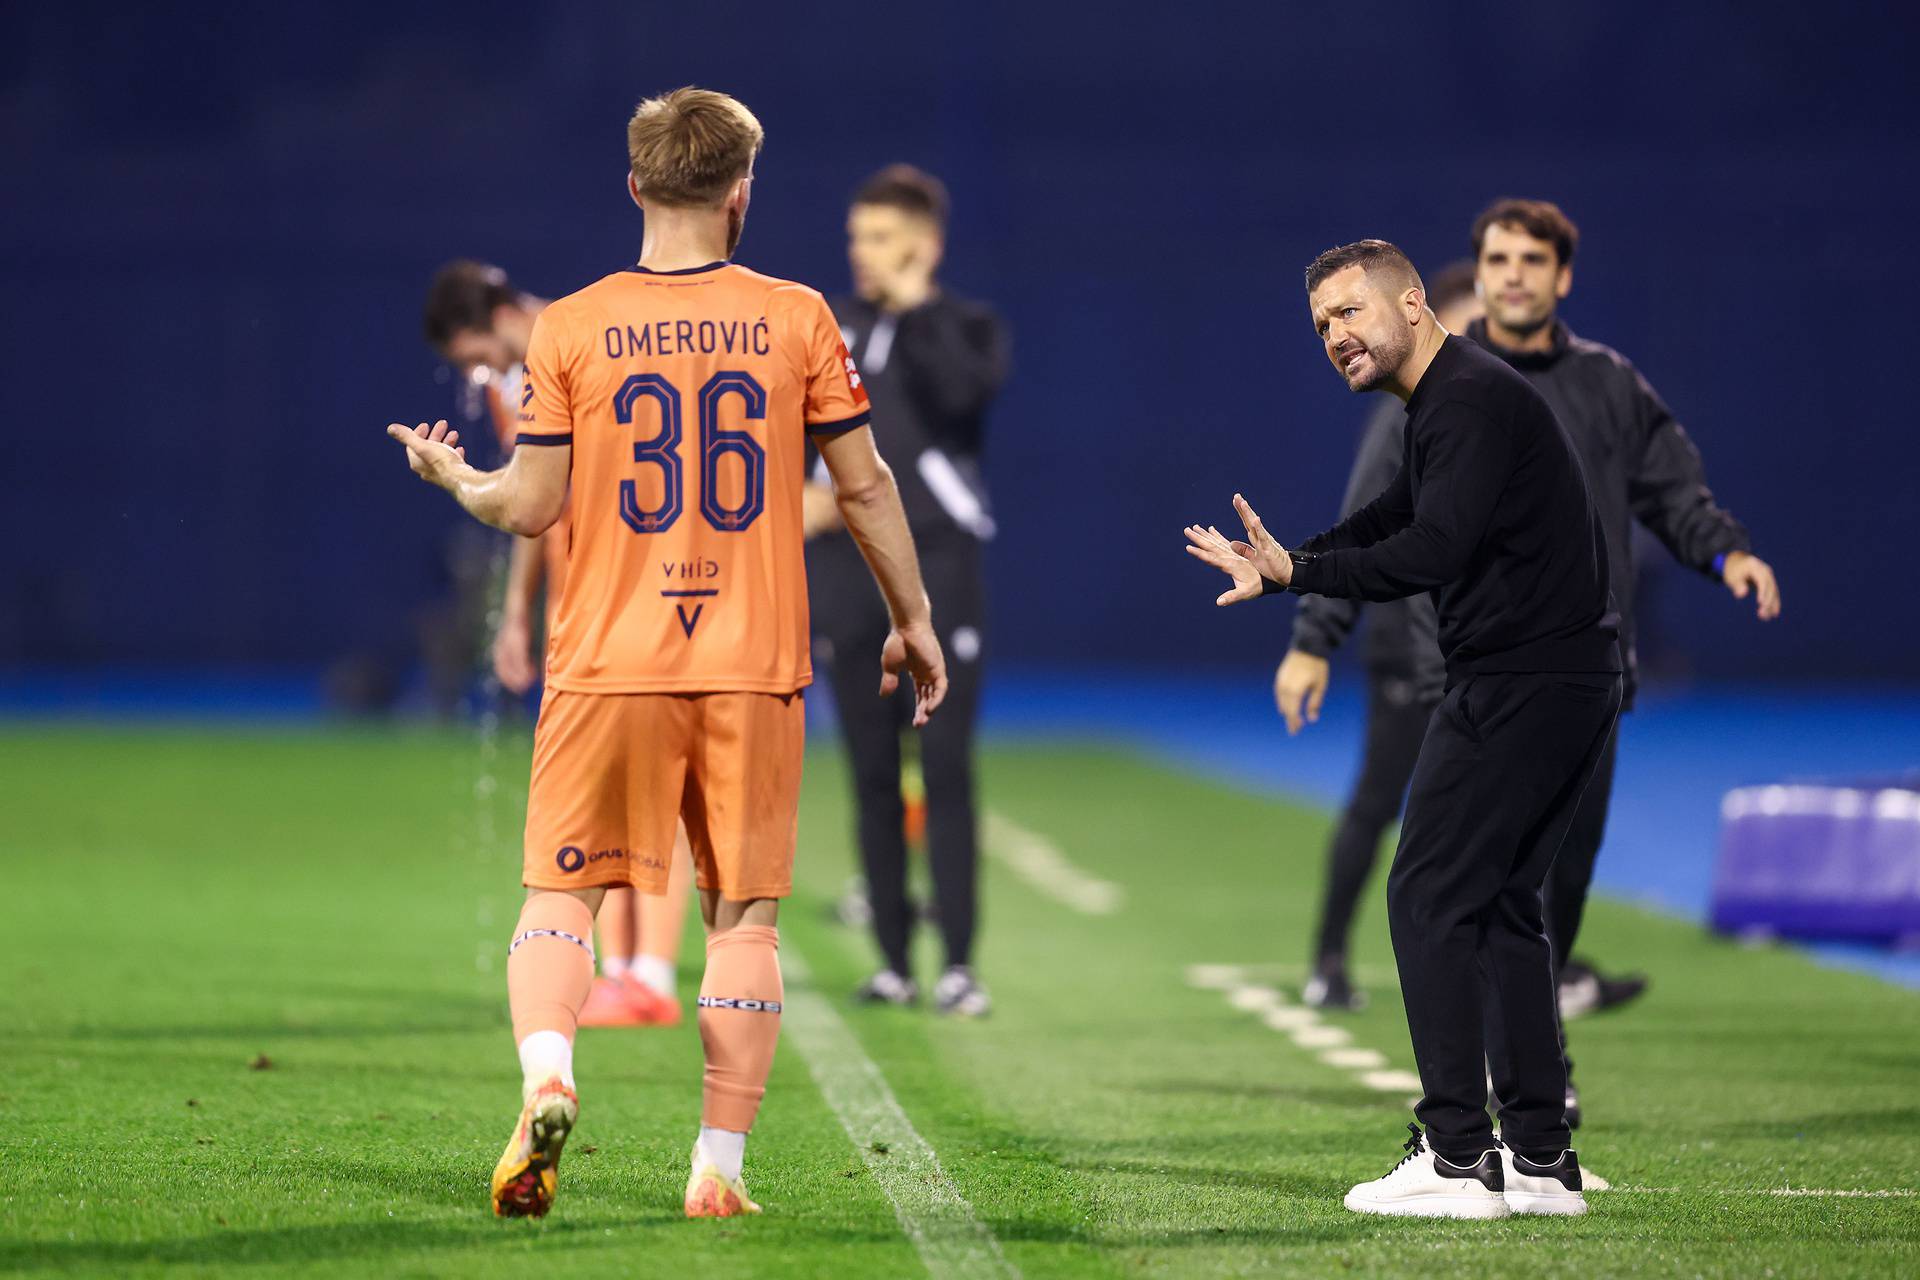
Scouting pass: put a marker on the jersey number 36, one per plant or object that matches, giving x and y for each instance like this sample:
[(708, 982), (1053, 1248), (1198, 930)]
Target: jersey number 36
[(663, 451)]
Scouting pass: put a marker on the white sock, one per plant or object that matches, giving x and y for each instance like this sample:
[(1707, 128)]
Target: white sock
[(655, 972), (544, 1055), (724, 1150), (615, 966)]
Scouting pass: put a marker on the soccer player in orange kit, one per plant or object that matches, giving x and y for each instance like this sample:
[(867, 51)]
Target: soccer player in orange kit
[(481, 324), (676, 397)]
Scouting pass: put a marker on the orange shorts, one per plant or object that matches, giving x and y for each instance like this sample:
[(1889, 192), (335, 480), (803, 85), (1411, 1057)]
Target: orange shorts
[(612, 772)]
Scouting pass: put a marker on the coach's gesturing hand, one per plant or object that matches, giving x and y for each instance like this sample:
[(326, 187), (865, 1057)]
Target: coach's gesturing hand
[(1247, 563)]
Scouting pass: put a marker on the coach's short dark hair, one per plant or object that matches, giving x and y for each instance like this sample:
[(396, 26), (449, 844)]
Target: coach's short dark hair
[(909, 189), (1376, 256), (462, 298), (1452, 284), (1541, 219)]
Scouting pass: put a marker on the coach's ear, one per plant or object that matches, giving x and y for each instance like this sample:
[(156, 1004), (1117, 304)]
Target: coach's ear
[(633, 189)]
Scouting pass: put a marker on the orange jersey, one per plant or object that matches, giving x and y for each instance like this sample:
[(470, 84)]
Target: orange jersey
[(687, 397)]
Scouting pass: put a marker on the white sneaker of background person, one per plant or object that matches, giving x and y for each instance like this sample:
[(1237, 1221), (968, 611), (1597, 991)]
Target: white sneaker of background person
[(1427, 1185), (1553, 1188)]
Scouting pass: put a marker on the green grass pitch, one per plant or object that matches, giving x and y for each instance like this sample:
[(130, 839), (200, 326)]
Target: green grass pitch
[(253, 1022)]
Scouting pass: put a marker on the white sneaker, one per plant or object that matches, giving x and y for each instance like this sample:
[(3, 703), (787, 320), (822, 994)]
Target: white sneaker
[(887, 987), (1543, 1188), (1579, 996), (1425, 1185), (959, 993)]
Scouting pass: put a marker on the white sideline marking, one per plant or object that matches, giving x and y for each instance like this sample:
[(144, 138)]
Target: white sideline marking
[(1369, 1066), (1214, 977), (1039, 862), (951, 1241), (1302, 1026), (1355, 1059), (1900, 1193), (1322, 1037)]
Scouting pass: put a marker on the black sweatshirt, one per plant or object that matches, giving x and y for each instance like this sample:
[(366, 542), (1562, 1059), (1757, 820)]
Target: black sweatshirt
[(1403, 640), (1640, 464), (931, 373), (1490, 512)]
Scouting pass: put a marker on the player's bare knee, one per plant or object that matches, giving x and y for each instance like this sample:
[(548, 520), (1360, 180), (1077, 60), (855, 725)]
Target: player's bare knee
[(591, 895), (722, 914)]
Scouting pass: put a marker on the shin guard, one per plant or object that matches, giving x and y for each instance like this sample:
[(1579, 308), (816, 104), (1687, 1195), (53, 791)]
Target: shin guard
[(550, 965), (740, 1001)]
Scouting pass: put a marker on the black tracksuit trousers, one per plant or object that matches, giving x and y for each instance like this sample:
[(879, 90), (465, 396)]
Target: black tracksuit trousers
[(1397, 718), (1572, 874), (849, 612), (1499, 779)]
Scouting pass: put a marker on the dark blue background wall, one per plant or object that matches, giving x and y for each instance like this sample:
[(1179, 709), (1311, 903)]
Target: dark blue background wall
[(219, 224)]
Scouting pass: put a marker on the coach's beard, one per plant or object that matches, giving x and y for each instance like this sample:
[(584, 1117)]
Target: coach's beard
[(1386, 359)]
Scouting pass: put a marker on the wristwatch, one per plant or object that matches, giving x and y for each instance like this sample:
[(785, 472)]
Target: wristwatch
[(1269, 587)]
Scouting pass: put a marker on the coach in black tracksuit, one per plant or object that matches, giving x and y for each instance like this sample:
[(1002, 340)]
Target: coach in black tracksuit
[(932, 364), (1491, 513)]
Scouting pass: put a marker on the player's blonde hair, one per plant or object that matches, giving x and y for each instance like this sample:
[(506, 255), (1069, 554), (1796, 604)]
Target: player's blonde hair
[(690, 146)]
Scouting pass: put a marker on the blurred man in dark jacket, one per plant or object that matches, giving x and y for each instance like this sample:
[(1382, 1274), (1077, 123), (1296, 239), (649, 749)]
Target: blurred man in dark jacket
[(933, 363), (1640, 465)]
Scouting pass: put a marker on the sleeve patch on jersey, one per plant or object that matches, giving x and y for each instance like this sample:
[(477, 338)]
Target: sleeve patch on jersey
[(528, 437), (857, 421)]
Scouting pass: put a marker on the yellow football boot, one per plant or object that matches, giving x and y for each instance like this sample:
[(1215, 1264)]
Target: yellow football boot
[(524, 1179), (712, 1195)]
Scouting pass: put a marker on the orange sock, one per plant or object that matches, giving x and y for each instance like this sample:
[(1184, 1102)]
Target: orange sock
[(550, 965), (739, 1023)]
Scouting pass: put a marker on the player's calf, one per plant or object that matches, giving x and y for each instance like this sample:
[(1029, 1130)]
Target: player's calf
[(549, 972), (740, 1003)]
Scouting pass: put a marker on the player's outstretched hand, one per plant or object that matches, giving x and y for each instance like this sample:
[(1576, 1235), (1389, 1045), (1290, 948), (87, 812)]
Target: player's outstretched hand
[(1745, 572), (918, 650), (432, 451)]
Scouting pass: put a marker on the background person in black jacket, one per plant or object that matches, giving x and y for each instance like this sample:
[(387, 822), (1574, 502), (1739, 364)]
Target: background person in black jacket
[(932, 364), (1405, 677), (1640, 466)]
